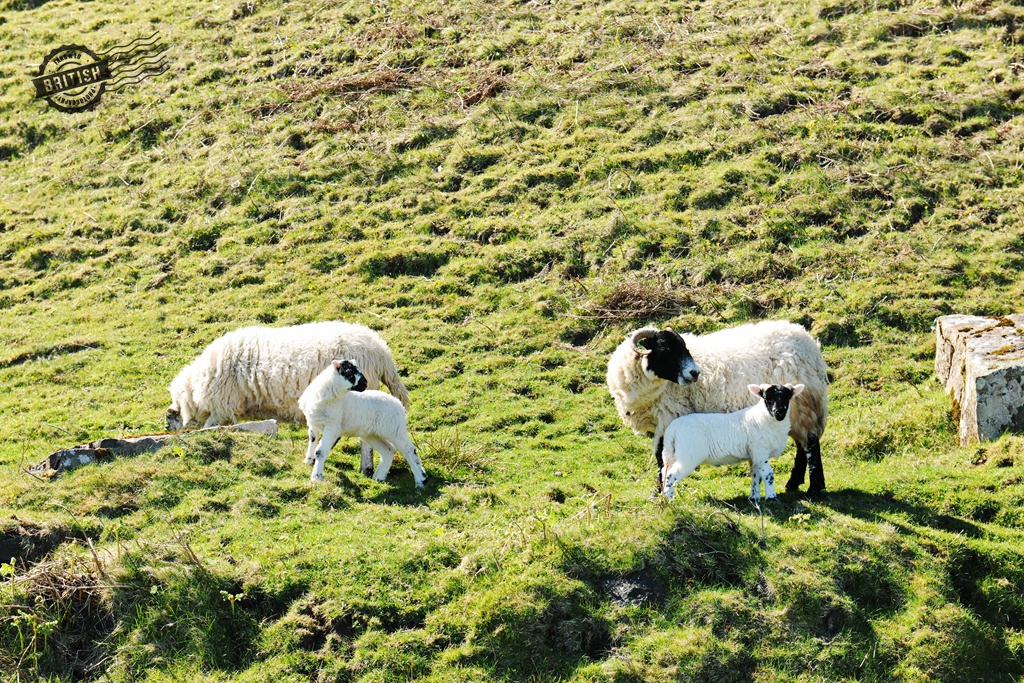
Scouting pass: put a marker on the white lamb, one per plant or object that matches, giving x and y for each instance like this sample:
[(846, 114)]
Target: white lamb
[(337, 404), (261, 372), (654, 379), (757, 434)]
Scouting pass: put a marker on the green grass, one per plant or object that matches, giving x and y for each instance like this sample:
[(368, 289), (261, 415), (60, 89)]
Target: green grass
[(504, 190)]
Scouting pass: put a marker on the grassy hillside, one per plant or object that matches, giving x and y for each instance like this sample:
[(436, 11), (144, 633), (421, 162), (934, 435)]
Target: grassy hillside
[(505, 189)]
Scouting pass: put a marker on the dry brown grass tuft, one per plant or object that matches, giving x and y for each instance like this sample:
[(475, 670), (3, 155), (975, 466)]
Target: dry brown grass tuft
[(489, 86), (643, 298), (61, 615), (323, 125), (383, 79)]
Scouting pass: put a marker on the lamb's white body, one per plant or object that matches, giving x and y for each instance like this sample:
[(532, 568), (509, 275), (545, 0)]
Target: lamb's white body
[(332, 411), (772, 352), (261, 372), (716, 439)]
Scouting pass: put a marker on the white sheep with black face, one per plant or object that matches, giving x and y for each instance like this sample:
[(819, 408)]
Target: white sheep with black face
[(337, 404), (755, 434), (261, 372), (655, 376)]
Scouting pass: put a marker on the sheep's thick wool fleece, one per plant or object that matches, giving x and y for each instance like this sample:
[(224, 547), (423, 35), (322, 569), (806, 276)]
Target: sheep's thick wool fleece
[(769, 352), (263, 370)]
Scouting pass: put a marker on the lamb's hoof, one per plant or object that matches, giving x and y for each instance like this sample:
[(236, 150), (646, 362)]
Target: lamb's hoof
[(792, 488), (317, 479), (771, 498), (368, 471), (816, 494), (419, 485), (308, 460), (380, 479)]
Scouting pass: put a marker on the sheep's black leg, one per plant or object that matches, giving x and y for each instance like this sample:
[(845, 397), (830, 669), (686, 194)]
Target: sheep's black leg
[(366, 458), (796, 479), (817, 475)]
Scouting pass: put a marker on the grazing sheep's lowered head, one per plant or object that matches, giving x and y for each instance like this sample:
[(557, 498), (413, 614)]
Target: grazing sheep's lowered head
[(173, 416), (776, 397), (663, 354), (183, 408)]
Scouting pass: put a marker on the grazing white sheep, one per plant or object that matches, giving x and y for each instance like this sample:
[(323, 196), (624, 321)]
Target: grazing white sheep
[(656, 376), (337, 404), (757, 434), (261, 372)]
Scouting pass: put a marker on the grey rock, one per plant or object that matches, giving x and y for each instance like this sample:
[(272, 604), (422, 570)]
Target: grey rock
[(636, 589), (980, 362), (106, 449)]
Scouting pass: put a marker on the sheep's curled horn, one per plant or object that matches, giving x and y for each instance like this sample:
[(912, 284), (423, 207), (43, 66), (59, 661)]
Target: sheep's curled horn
[(639, 337)]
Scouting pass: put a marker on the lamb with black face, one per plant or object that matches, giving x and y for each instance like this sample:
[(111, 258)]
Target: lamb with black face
[(666, 356), (350, 371), (776, 400)]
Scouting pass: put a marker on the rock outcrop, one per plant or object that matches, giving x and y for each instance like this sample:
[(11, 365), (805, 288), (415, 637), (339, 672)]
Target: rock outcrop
[(980, 361), (107, 449)]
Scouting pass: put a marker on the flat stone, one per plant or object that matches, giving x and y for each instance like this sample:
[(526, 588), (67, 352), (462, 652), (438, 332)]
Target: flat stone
[(980, 362), (106, 449), (636, 589)]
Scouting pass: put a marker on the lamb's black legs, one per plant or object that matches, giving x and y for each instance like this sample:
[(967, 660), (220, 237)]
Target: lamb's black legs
[(808, 460)]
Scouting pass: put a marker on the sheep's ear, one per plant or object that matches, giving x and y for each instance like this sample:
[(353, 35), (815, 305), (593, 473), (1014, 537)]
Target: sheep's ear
[(797, 389), (754, 389), (336, 364)]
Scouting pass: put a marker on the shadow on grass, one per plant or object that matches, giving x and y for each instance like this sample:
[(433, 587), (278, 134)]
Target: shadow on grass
[(866, 506), (544, 632), (983, 574), (402, 490), (869, 506), (399, 487), (210, 614), (859, 583)]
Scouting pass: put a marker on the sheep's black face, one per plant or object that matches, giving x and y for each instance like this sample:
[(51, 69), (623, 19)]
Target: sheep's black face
[(174, 423), (669, 358), (350, 372), (776, 400)]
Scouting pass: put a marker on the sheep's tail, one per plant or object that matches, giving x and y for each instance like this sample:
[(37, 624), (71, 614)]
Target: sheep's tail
[(390, 378)]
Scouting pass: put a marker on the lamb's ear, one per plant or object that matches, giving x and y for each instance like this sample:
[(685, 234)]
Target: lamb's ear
[(336, 364), (797, 389), (754, 389)]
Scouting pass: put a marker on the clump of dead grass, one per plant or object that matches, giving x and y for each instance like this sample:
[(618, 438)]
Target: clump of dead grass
[(489, 86), (54, 618), (381, 79), (644, 298)]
